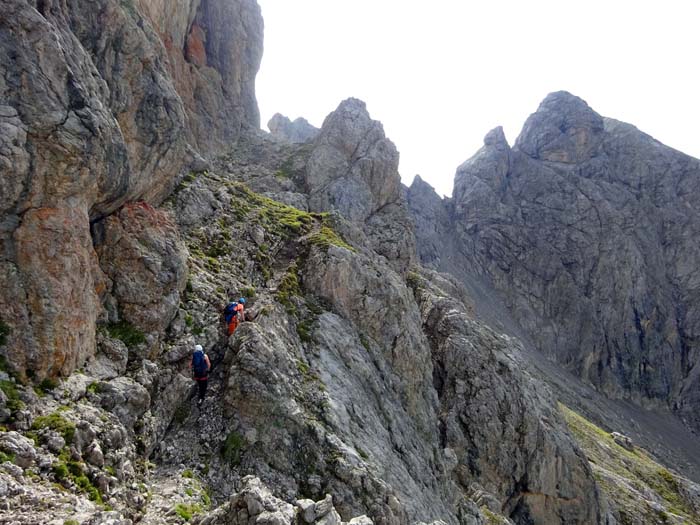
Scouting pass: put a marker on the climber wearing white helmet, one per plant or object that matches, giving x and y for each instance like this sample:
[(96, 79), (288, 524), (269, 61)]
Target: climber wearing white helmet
[(200, 366)]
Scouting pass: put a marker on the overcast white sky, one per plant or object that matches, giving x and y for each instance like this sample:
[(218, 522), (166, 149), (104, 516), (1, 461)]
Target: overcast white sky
[(440, 74)]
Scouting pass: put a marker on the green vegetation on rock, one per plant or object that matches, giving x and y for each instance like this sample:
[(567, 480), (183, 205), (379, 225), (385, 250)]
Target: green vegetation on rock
[(187, 511), (289, 288), (233, 448), (47, 385), (126, 333), (58, 423), (10, 390), (4, 332), (630, 479)]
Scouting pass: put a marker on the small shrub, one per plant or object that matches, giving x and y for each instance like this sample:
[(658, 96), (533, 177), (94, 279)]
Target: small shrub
[(47, 385), (248, 291), (4, 332), (6, 457), (232, 448), (60, 470), (10, 390), (126, 333), (58, 423), (414, 280), (95, 387), (305, 331), (71, 522), (188, 474)]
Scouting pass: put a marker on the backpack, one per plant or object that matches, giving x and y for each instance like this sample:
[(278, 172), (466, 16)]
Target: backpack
[(199, 365), (230, 312)]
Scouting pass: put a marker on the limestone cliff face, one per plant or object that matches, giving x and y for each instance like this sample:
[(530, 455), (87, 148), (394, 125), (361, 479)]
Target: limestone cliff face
[(98, 109), (214, 48), (587, 227)]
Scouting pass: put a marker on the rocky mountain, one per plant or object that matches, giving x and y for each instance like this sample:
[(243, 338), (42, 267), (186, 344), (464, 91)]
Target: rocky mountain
[(362, 388), (587, 228)]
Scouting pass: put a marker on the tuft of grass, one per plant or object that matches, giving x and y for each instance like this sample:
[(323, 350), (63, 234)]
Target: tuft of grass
[(365, 342), (6, 457), (71, 522), (58, 423), (187, 511), (232, 448), (248, 292), (305, 330), (188, 474), (127, 333)]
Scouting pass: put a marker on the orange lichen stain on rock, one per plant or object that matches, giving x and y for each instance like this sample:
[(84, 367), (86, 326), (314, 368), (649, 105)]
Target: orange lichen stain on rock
[(195, 52)]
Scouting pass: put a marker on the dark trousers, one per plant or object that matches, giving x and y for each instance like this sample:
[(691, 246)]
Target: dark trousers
[(202, 387)]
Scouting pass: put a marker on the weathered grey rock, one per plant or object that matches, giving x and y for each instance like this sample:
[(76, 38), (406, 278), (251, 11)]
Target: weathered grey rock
[(93, 455), (353, 168), (96, 105), (585, 227), (622, 440), (111, 358), (307, 509), (484, 391), (214, 50), (125, 398), (298, 131), (18, 446)]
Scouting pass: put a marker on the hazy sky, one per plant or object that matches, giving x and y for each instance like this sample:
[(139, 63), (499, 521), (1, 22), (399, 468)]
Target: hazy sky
[(440, 74)]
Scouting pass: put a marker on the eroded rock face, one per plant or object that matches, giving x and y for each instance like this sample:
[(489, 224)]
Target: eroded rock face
[(92, 116), (353, 168), (214, 49), (298, 131), (585, 226), (141, 252), (535, 469)]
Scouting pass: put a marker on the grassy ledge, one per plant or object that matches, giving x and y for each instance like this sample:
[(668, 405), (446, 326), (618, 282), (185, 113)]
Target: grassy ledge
[(630, 479)]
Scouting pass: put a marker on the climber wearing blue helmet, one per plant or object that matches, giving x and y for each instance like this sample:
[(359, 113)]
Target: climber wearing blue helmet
[(234, 313)]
